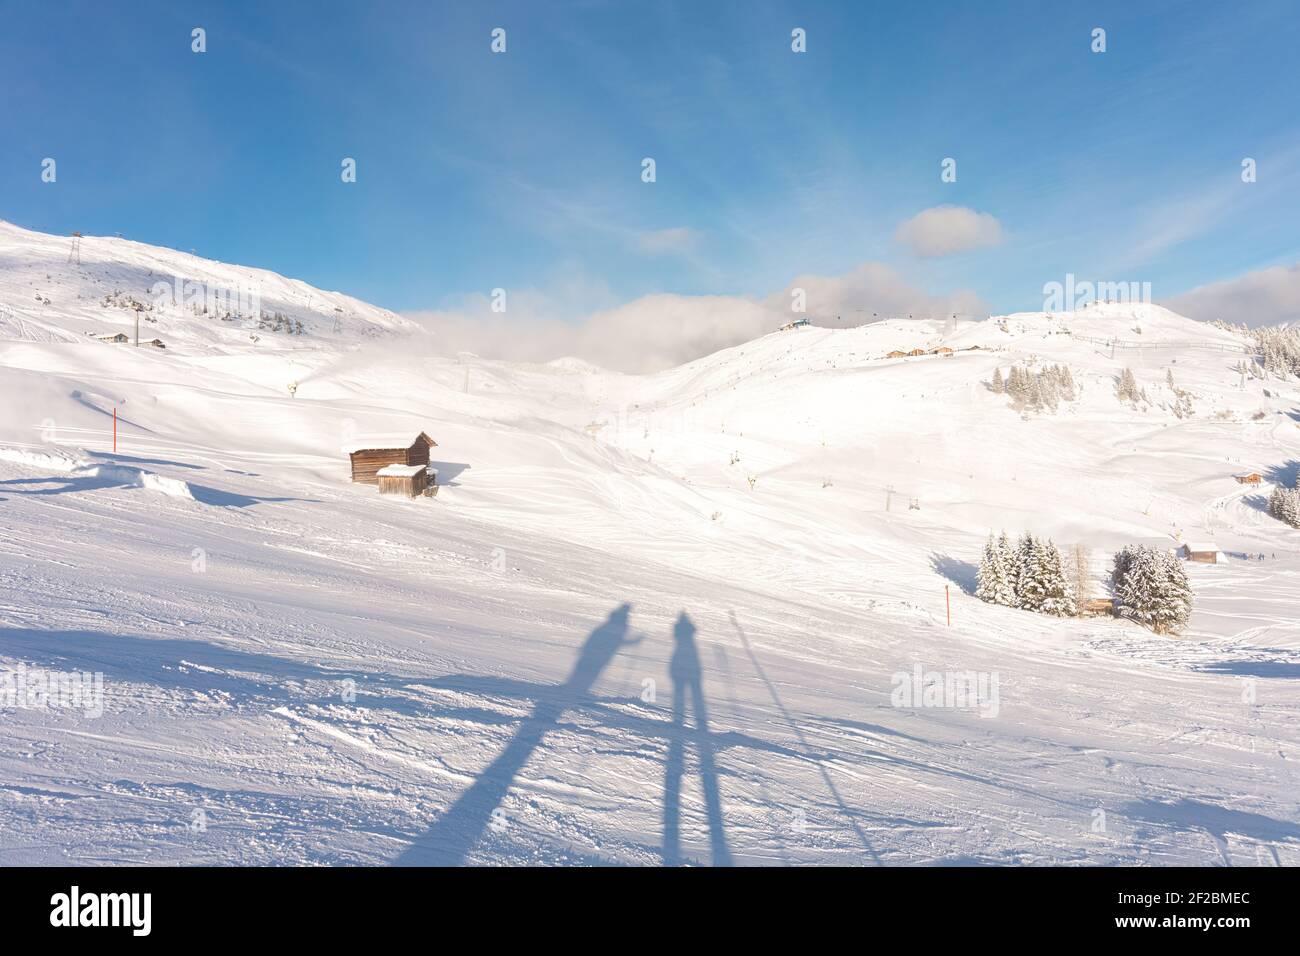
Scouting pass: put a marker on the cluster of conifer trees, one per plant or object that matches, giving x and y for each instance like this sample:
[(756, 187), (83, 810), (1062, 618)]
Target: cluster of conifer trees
[(1030, 390), (1284, 504), (1149, 584), (1031, 576), (1279, 350)]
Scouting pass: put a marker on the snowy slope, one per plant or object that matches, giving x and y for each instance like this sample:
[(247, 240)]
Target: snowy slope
[(297, 670), (57, 289)]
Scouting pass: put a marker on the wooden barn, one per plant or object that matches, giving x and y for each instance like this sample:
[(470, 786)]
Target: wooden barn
[(917, 352), (941, 350), (1202, 552), (896, 354), (1095, 607), (369, 455), (409, 480), (1253, 478)]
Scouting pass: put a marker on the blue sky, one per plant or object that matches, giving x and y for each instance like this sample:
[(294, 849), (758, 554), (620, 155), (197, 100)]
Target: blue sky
[(523, 170)]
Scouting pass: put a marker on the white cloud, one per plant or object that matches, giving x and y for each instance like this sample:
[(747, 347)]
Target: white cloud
[(872, 290), (660, 331), (948, 230), (647, 334), (1264, 297)]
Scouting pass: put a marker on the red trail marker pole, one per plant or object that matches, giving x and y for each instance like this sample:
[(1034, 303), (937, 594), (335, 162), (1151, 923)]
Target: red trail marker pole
[(114, 429), (948, 601)]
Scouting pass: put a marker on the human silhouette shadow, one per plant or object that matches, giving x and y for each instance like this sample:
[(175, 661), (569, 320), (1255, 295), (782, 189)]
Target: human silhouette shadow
[(687, 677), (449, 841)]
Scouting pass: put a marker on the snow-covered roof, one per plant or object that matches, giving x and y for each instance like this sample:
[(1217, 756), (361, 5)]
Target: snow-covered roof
[(400, 471), (384, 442), (1201, 546)]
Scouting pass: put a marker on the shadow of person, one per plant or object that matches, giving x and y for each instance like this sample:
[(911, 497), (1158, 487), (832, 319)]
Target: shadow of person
[(449, 841), (686, 673)]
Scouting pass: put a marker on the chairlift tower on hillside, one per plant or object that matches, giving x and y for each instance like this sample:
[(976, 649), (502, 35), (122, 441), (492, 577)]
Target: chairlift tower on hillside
[(74, 254)]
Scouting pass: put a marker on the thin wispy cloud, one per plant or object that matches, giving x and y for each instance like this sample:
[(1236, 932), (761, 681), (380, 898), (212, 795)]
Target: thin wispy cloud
[(679, 239)]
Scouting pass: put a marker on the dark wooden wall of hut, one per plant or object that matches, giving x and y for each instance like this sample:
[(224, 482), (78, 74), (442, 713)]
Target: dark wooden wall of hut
[(418, 454), (366, 463)]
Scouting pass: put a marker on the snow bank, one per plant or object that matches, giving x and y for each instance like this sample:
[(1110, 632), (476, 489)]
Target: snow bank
[(79, 467), (62, 463)]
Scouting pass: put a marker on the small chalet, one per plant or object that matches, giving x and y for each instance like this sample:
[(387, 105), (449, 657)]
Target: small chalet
[(409, 480), (1202, 552), (1253, 478), (1096, 607), (115, 337), (796, 324), (941, 350), (156, 343), (896, 354), (369, 455), (917, 352)]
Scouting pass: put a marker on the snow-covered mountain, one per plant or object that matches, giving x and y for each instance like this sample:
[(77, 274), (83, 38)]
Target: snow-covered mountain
[(297, 670), (62, 288)]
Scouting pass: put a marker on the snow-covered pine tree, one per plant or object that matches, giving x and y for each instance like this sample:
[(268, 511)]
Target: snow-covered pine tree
[(1137, 588), (1006, 593), (1275, 502), (1152, 588), (994, 581), (1127, 387), (985, 578), (1020, 567), (1058, 595), (1284, 505), (1119, 568), (1067, 384), (1033, 391), (997, 384), (1016, 387), (1031, 574), (1174, 598), (1049, 389)]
